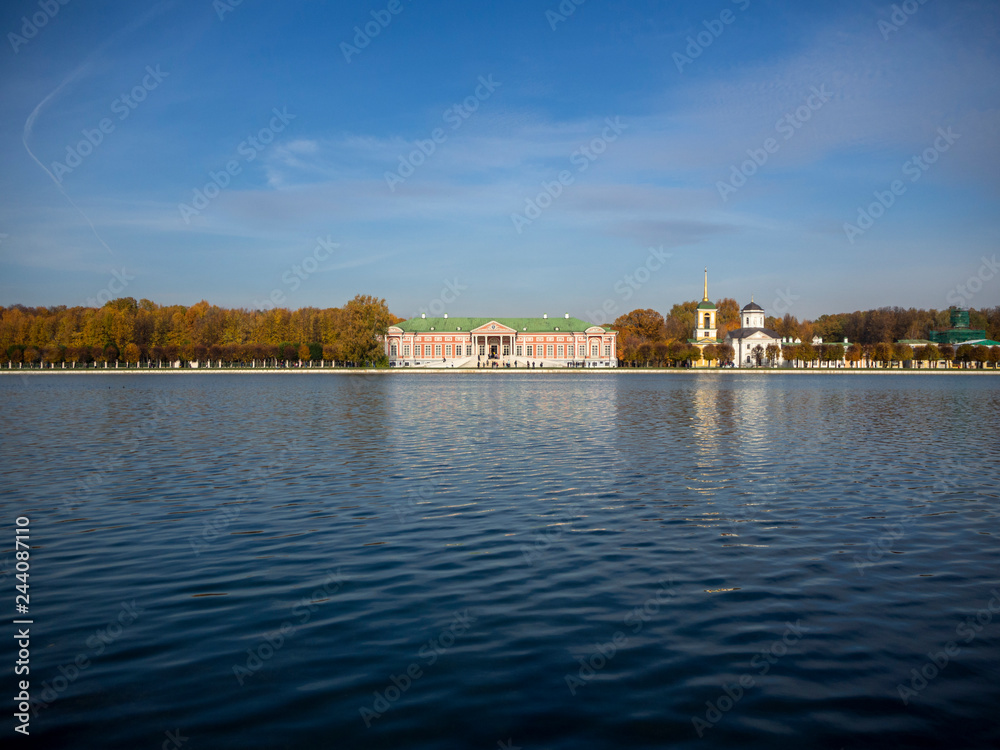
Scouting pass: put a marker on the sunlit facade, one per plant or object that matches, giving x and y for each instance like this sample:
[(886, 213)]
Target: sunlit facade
[(500, 342)]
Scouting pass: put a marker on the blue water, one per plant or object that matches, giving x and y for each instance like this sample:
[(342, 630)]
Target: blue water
[(549, 561)]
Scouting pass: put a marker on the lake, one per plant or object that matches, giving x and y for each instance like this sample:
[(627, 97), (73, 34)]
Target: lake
[(495, 561)]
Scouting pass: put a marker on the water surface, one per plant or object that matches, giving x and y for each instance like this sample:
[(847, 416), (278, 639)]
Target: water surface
[(596, 561)]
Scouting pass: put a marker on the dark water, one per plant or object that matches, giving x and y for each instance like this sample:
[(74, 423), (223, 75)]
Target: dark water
[(492, 561)]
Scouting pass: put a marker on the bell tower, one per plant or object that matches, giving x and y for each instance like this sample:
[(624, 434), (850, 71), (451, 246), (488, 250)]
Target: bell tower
[(705, 327)]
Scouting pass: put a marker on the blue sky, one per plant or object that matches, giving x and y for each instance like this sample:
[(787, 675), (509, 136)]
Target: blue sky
[(506, 158)]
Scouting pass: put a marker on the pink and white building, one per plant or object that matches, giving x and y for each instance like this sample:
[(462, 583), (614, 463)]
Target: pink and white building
[(504, 342)]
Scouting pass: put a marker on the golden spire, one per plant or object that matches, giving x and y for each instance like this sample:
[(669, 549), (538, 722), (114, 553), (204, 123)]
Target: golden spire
[(705, 298)]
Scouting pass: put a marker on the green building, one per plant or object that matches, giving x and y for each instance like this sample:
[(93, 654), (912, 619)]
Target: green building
[(959, 333)]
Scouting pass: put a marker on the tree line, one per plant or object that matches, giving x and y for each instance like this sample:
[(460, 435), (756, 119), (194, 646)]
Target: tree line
[(127, 331), (647, 338)]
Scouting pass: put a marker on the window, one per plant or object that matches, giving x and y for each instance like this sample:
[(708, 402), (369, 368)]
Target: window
[(593, 350), (607, 351), (708, 320), (447, 350), (559, 351), (531, 350), (482, 349), (570, 351), (406, 350), (427, 350), (392, 350), (520, 351), (437, 350), (468, 350), (548, 351)]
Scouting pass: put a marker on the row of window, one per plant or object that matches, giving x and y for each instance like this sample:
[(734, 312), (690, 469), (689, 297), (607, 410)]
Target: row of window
[(559, 351)]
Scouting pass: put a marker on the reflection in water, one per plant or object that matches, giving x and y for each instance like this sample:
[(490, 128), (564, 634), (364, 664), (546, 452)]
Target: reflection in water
[(552, 509)]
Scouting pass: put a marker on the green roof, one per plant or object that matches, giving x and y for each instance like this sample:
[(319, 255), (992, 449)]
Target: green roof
[(534, 325), (706, 305)]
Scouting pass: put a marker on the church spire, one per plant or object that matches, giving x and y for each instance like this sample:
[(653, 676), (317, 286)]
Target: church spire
[(705, 298)]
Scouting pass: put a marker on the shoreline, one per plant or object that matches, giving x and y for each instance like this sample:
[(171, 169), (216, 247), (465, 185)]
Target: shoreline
[(667, 371)]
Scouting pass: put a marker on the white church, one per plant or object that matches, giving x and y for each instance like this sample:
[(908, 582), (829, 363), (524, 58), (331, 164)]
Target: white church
[(751, 335), (745, 340)]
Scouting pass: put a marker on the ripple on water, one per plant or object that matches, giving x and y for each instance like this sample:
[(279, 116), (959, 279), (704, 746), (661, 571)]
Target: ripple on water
[(292, 548)]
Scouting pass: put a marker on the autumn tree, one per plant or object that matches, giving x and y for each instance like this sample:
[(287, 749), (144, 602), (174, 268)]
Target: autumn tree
[(679, 324), (854, 354), (368, 319), (771, 353), (882, 352), (727, 316), (726, 354), (646, 324), (930, 354)]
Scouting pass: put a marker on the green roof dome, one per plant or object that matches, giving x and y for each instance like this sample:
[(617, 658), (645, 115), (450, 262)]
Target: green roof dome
[(706, 305)]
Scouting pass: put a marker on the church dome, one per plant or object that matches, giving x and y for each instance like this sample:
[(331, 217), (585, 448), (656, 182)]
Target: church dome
[(753, 307)]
